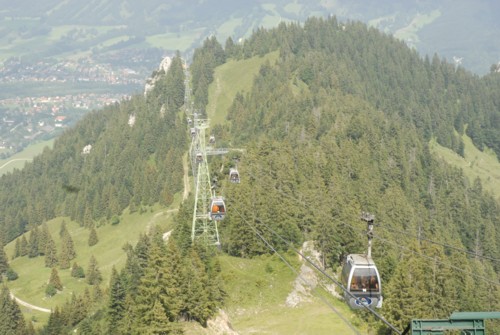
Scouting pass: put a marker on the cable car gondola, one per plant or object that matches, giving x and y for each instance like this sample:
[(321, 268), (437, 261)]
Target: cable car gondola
[(211, 140), (217, 209), (234, 176), (193, 131), (360, 276), (361, 279), (199, 157)]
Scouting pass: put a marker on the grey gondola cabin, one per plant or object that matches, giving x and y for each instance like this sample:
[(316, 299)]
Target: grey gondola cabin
[(234, 176), (217, 209), (361, 279), (199, 157)]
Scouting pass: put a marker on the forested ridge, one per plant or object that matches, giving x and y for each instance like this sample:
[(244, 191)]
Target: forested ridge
[(340, 124)]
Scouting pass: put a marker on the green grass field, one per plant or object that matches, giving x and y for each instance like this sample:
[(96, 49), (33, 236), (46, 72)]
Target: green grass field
[(476, 164), (257, 292), (33, 275), (257, 288), (229, 79), (18, 160), (174, 41)]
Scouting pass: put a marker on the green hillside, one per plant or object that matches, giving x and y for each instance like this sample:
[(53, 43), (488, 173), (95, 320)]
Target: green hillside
[(335, 119), (476, 164), (18, 160), (229, 79), (109, 253)]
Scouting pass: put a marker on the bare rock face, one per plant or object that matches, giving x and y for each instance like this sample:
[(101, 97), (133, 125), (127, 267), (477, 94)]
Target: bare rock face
[(220, 325), (307, 279), (164, 66)]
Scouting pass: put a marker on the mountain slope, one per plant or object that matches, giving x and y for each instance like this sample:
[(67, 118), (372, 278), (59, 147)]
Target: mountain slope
[(338, 124)]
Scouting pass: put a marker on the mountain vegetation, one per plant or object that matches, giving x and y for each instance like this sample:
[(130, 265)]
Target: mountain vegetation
[(338, 124)]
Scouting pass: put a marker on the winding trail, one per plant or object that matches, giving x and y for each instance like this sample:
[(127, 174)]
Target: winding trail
[(26, 304), (14, 160), (185, 195)]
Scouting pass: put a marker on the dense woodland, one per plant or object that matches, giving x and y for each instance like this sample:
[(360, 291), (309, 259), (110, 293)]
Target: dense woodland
[(340, 124)]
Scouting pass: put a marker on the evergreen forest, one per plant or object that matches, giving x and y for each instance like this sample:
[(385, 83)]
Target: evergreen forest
[(338, 125)]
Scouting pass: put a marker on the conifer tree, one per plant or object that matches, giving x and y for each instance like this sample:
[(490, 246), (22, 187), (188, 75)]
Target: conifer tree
[(11, 318), (63, 260), (50, 253), (77, 271), (171, 277), (56, 323), (154, 285), (92, 237), (195, 298), (43, 238), (97, 293), (116, 302), (4, 264), (33, 243), (93, 275), (55, 280), (132, 272), (159, 322), (88, 221), (17, 249), (24, 246), (87, 296), (78, 309), (67, 250), (62, 229)]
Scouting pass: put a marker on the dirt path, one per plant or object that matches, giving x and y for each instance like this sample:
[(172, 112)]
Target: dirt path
[(25, 304), (14, 160)]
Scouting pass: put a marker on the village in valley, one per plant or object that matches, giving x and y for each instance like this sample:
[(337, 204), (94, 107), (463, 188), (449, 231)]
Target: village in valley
[(59, 93)]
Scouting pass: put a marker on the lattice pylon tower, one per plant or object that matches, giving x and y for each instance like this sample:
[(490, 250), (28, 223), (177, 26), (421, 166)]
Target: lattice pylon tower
[(203, 227)]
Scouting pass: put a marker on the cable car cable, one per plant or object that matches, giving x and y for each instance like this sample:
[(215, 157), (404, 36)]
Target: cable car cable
[(405, 233), (431, 258), (441, 262), (440, 243), (336, 282), (301, 277), (289, 244)]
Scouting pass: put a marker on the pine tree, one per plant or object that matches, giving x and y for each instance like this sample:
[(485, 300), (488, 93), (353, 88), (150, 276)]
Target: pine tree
[(63, 260), (55, 280), (62, 229), (196, 304), (88, 221), (93, 274), (77, 271), (92, 237), (159, 322), (11, 318), (50, 253), (67, 250), (55, 325), (17, 249), (43, 238), (116, 302), (97, 293), (33, 243), (24, 246), (153, 285), (4, 264)]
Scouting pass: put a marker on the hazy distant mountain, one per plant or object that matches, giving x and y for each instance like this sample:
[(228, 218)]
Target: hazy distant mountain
[(464, 30)]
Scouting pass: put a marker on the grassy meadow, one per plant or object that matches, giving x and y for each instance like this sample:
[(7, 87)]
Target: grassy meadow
[(109, 253), (18, 160), (476, 164), (229, 79)]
